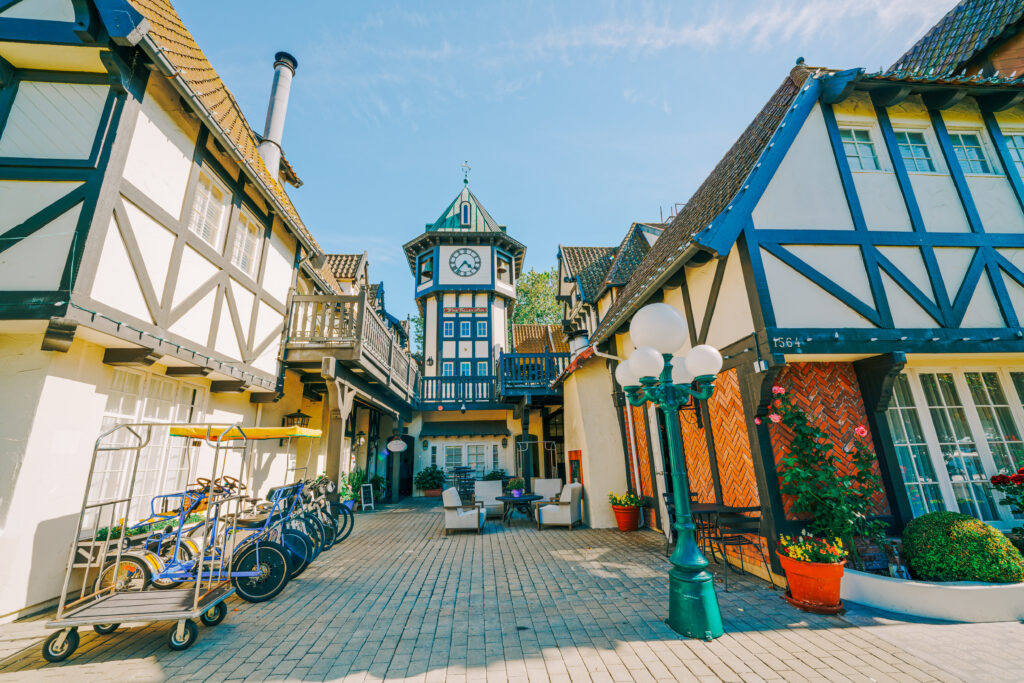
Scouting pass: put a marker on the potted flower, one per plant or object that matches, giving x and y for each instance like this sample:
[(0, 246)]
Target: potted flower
[(1012, 488), (430, 480), (627, 510), (356, 479), (814, 570), (516, 485)]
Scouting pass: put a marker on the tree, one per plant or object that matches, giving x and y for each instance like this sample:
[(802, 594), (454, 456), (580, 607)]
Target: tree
[(417, 334), (535, 298)]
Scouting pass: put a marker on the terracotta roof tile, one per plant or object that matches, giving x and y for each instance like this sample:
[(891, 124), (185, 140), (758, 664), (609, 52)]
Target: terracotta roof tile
[(345, 266), (590, 265), (532, 338), (710, 199), (181, 50)]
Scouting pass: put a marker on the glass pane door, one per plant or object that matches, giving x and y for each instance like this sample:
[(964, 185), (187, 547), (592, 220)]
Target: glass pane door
[(912, 450), (957, 446), (452, 458), (997, 422), (476, 459)]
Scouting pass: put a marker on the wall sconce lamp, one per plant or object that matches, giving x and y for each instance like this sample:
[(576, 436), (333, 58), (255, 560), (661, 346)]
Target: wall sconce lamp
[(425, 444), (430, 360), (504, 442), (361, 438), (462, 408), (296, 419)]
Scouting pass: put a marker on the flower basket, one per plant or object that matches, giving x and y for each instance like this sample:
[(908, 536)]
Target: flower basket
[(627, 517)]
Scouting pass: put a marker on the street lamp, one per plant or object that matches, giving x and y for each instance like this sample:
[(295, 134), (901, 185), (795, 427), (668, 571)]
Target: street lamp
[(651, 373)]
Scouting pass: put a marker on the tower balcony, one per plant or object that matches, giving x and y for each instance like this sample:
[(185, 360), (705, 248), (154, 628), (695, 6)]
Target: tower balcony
[(530, 374)]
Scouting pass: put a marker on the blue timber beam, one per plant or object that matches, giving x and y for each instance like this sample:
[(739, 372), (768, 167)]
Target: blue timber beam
[(840, 85)]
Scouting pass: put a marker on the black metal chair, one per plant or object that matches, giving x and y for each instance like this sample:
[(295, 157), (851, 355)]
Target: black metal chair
[(733, 529)]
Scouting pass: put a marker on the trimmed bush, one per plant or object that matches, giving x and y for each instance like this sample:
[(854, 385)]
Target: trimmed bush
[(949, 546)]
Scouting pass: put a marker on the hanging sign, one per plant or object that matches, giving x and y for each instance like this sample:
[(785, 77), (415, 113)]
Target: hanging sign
[(397, 445), (465, 309)]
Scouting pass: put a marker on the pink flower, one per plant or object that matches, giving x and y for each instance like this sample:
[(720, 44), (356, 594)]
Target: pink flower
[(757, 421), (775, 417), (861, 431), (778, 390)]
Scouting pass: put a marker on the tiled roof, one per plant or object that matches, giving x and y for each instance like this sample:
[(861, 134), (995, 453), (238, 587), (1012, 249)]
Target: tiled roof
[(630, 254), (181, 50), (710, 199), (958, 37), (590, 265), (345, 266), (372, 292), (528, 338)]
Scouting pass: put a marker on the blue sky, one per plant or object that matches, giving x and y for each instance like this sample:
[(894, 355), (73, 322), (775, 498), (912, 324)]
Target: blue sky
[(576, 117)]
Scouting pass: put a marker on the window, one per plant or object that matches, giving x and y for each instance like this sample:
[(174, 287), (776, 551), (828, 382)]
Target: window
[(912, 451), (426, 269), (449, 328), (860, 151), (481, 328), (969, 152), (433, 455), (447, 368), (464, 214), (476, 458), (481, 368), (504, 270), (248, 243), (1001, 433), (1015, 144), (452, 457), (914, 150), (465, 368), (494, 457), (465, 328), (210, 210)]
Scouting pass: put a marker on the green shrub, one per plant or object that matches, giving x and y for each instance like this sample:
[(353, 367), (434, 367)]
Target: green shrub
[(495, 475), (949, 546), (429, 478)]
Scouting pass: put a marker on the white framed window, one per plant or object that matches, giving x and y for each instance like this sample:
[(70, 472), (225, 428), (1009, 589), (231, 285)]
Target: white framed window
[(447, 368), (495, 461), (210, 210), (248, 244), (953, 429), (452, 457), (1015, 145), (465, 328), (465, 368), (433, 455), (970, 153), (481, 328), (449, 328), (860, 150), (914, 150), (481, 368), (476, 457)]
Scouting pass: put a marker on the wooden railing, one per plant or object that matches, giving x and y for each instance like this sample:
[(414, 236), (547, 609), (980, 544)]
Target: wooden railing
[(530, 372), (457, 390), (348, 322)]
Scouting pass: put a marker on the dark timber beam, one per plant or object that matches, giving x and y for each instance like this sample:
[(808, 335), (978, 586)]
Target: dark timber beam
[(228, 386), (1000, 101), (943, 99), (60, 333), (187, 371), (264, 397), (839, 86), (140, 358), (889, 96)]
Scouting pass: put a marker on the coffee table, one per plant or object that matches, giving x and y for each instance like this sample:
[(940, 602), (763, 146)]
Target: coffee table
[(523, 503)]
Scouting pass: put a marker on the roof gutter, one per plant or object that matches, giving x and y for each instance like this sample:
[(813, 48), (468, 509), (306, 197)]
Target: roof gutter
[(156, 53)]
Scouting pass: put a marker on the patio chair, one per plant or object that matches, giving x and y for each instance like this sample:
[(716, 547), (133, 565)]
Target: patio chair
[(564, 512), (459, 516), (734, 529), (548, 488), (487, 492)]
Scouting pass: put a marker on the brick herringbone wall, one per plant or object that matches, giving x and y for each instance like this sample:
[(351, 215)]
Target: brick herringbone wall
[(698, 462), (830, 395)]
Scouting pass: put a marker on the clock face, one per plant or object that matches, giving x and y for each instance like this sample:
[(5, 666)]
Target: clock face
[(464, 262)]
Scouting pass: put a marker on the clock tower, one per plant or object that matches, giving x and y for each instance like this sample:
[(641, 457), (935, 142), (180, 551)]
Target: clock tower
[(465, 266)]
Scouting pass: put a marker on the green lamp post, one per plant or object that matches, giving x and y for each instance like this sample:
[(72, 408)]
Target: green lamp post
[(651, 373)]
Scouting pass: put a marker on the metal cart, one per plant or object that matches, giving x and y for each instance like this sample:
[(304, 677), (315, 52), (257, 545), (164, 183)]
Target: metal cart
[(104, 607)]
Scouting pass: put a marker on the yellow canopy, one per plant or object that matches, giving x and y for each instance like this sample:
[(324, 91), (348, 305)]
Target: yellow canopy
[(251, 433)]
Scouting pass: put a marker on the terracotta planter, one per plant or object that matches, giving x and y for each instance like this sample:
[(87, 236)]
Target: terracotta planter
[(432, 493), (628, 518), (813, 586)]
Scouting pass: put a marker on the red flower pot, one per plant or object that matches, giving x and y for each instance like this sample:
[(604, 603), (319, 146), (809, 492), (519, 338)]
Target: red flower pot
[(813, 586), (432, 493), (628, 518)]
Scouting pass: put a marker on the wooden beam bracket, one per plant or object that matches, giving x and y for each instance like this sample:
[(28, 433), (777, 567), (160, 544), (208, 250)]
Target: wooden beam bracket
[(141, 357), (60, 333)]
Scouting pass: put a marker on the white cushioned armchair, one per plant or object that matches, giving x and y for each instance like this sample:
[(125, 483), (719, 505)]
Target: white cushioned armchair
[(487, 492), (549, 488), (564, 512), (459, 516)]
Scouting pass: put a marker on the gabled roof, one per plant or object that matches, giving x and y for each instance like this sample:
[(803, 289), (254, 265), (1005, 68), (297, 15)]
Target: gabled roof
[(479, 219), (960, 36), (374, 294), (589, 265), (631, 252), (714, 195), (180, 50), (346, 266), (537, 338)]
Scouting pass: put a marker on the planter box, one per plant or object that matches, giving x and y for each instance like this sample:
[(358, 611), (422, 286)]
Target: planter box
[(968, 601), (432, 493)]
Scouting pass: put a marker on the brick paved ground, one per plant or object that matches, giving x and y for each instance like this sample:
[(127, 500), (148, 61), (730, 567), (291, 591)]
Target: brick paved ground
[(398, 599)]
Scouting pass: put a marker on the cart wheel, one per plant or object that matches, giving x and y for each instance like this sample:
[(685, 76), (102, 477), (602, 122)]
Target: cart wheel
[(105, 629), (273, 563), (188, 638), (52, 652), (214, 615), (131, 575)]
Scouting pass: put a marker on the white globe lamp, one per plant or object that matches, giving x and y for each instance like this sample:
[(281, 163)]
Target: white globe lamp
[(680, 375), (659, 326), (625, 376), (704, 360), (645, 361)]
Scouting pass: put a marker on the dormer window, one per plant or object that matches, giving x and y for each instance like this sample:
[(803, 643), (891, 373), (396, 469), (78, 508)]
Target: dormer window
[(464, 214)]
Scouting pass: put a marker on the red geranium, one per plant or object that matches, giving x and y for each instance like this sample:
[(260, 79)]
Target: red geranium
[(1017, 478), (1000, 480)]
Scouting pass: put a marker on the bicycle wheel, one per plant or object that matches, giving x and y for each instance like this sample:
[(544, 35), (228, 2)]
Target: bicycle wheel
[(330, 530), (271, 561), (346, 520), (315, 530), (300, 547), (131, 574)]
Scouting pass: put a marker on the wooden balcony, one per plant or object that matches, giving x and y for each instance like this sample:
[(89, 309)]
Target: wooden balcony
[(454, 392), (530, 374), (346, 328)]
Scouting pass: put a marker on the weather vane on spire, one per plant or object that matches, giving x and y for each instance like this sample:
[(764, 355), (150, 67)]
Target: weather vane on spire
[(465, 172)]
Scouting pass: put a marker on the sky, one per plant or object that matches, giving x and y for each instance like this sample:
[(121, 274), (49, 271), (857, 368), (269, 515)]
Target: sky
[(577, 118)]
